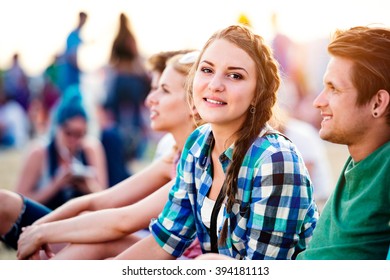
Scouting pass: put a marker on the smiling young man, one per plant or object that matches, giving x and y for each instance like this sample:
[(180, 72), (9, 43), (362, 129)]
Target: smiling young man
[(355, 106)]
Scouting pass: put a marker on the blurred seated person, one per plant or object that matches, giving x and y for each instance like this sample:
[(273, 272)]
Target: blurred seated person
[(14, 124), (16, 83), (128, 84), (156, 65), (71, 164)]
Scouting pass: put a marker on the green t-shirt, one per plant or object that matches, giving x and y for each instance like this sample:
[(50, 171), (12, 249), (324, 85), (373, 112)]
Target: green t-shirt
[(355, 223)]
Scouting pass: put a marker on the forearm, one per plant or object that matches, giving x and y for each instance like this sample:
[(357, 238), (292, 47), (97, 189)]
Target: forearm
[(81, 229), (109, 198), (117, 222), (93, 185), (146, 249), (92, 227), (134, 188), (70, 209)]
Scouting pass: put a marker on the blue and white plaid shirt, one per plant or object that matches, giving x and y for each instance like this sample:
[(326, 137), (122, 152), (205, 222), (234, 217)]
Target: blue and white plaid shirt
[(274, 216)]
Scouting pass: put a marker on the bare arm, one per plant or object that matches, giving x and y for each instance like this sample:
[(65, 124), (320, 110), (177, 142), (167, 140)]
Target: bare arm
[(145, 249), (96, 159), (88, 228), (124, 193), (31, 173)]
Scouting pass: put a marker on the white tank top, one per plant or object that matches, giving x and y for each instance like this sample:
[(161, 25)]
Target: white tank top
[(207, 209)]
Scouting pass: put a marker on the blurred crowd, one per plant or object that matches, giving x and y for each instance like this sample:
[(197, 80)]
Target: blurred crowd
[(29, 109), (231, 141)]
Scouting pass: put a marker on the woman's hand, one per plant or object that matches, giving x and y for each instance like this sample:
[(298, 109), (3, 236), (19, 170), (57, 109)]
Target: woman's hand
[(81, 183), (63, 177), (29, 244)]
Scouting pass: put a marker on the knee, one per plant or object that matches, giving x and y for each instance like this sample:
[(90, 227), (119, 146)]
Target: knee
[(10, 201), (10, 207)]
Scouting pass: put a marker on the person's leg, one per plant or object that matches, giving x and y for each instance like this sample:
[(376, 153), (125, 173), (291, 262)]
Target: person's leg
[(96, 251), (10, 207), (17, 212), (114, 150)]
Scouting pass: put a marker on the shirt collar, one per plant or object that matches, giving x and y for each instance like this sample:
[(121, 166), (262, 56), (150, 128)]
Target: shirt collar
[(205, 142), (204, 145)]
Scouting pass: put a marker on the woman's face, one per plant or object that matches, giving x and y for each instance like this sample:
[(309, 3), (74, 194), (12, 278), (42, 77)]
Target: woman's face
[(224, 85), (169, 110), (156, 75), (72, 133)]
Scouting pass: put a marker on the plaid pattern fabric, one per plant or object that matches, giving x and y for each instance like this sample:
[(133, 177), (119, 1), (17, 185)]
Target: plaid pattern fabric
[(274, 215)]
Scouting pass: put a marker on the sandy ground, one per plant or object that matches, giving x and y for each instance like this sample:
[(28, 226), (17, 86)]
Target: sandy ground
[(11, 160)]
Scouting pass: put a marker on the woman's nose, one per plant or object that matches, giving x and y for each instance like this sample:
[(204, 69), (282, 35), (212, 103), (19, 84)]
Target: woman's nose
[(216, 84), (151, 98)]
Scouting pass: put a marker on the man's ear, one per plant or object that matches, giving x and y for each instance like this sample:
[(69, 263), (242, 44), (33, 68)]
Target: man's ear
[(380, 102)]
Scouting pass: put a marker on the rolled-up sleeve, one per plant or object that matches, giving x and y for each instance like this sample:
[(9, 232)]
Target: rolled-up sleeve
[(174, 229)]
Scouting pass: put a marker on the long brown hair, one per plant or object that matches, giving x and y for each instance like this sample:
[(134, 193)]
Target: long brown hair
[(268, 81), (124, 46)]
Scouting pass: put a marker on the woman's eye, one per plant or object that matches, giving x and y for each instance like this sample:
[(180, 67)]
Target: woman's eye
[(205, 70), (164, 89), (235, 76)]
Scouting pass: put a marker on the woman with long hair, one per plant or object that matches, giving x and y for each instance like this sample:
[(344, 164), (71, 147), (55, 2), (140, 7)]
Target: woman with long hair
[(241, 187)]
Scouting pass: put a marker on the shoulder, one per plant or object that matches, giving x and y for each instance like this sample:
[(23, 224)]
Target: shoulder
[(273, 142), (37, 150), (197, 139), (274, 147), (164, 146), (200, 132), (91, 144), (196, 146)]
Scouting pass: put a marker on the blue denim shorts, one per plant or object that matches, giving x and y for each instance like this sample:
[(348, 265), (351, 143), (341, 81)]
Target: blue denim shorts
[(31, 211)]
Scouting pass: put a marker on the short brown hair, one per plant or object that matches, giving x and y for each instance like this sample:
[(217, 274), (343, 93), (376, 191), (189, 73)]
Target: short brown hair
[(369, 49)]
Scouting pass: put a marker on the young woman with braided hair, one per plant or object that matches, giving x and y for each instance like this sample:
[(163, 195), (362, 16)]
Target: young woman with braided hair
[(241, 187)]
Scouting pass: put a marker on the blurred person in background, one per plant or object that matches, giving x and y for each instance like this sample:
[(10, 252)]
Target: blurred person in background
[(127, 87), (70, 72), (43, 103), (14, 122), (71, 164), (156, 65), (294, 93), (16, 83)]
